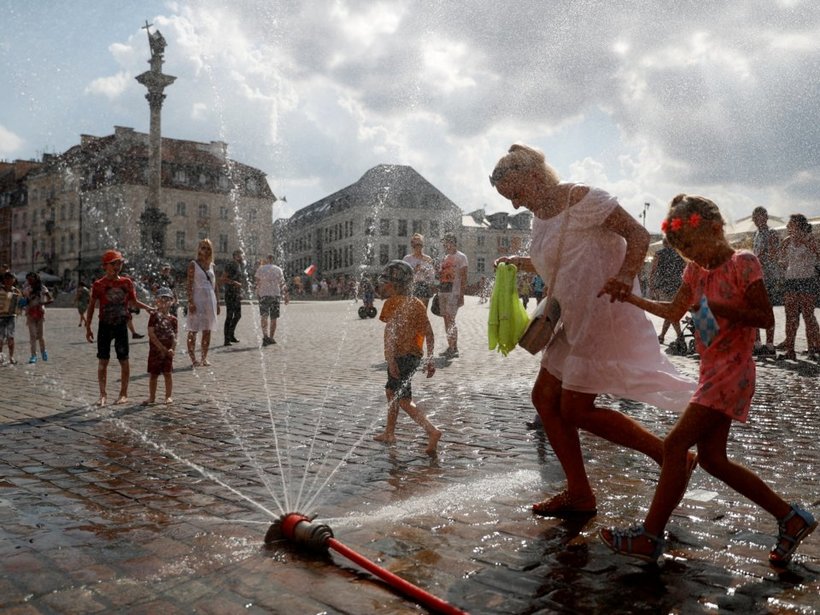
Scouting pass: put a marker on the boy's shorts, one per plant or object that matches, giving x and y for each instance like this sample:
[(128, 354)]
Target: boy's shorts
[(7, 327), (408, 364), (118, 333), (269, 306)]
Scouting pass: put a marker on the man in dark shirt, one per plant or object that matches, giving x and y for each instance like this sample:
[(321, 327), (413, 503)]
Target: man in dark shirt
[(233, 277)]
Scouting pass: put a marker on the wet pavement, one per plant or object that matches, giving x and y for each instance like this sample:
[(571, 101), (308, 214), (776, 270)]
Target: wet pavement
[(164, 509)]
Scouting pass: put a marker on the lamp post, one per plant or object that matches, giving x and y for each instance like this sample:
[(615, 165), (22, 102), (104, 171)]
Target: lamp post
[(643, 214)]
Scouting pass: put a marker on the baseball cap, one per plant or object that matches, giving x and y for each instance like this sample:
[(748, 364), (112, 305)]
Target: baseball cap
[(110, 256), (164, 291)]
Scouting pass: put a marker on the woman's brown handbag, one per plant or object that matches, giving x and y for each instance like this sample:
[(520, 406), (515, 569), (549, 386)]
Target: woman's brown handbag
[(542, 326), (435, 306)]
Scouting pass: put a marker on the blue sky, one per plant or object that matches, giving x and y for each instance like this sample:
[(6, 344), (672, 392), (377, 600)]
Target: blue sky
[(645, 101)]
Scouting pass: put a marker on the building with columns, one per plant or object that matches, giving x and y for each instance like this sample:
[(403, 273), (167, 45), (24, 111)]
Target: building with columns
[(92, 198)]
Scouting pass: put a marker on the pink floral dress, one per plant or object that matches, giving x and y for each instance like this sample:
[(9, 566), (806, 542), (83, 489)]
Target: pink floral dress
[(727, 368)]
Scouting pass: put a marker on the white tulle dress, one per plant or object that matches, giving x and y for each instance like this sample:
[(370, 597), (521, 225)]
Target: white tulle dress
[(603, 347)]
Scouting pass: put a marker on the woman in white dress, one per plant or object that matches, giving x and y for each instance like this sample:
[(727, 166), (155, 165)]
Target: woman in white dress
[(424, 272), (603, 346), (203, 301)]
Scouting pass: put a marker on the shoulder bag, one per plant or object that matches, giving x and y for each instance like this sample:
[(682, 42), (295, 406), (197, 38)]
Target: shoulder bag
[(545, 321)]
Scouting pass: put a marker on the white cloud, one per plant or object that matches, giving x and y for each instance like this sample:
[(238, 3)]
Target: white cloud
[(9, 142), (110, 87)]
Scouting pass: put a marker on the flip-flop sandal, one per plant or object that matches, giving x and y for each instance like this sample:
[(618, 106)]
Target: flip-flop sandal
[(782, 553), (561, 505)]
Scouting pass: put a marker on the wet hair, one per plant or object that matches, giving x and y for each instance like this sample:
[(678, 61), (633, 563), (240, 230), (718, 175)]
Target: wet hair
[(760, 211), (687, 211), (417, 237), (801, 222), (206, 242), (521, 157), (398, 273)]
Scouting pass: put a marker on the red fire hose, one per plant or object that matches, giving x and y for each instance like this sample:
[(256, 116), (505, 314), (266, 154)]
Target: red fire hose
[(300, 529)]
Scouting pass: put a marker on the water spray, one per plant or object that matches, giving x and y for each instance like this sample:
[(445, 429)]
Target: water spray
[(318, 538)]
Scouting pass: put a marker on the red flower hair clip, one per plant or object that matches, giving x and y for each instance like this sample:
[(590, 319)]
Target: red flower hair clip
[(677, 224), (664, 226), (694, 220)]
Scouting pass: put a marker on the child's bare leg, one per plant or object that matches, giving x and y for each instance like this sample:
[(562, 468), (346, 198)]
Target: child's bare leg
[(419, 417), (152, 390), (389, 433), (713, 459), (169, 387), (125, 376), (102, 379)]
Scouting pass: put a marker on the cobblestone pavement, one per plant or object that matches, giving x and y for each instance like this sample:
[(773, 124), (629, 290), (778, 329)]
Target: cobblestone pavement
[(164, 509)]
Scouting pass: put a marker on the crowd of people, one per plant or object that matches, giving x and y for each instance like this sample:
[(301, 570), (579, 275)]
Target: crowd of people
[(590, 252)]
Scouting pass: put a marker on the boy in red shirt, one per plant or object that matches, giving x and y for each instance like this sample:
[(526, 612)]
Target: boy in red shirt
[(406, 328), (115, 294)]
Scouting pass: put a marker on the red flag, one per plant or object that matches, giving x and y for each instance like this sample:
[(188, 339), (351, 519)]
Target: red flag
[(310, 270)]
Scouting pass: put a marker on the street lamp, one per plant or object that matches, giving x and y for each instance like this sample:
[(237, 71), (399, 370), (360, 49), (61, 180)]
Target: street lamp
[(643, 214)]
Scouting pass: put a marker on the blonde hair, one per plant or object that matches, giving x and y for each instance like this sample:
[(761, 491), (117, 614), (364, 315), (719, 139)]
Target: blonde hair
[(520, 157), (417, 237), (206, 242), (687, 211)]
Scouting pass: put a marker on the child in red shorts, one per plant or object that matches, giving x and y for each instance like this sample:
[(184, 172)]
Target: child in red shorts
[(162, 337)]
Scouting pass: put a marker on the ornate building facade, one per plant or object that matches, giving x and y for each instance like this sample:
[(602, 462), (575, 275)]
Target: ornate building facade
[(93, 196)]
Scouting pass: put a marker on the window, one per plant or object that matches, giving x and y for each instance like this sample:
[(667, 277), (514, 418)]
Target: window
[(433, 228), (181, 209), (480, 267), (223, 213), (384, 254), (402, 250), (180, 244), (402, 232), (71, 243), (202, 234), (384, 227), (203, 210), (223, 244), (369, 226), (180, 176), (252, 215), (479, 241)]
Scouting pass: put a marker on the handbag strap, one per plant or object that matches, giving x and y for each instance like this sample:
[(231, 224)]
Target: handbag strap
[(562, 233)]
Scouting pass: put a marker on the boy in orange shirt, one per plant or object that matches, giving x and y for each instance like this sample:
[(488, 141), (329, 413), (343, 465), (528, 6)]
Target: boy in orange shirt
[(406, 328)]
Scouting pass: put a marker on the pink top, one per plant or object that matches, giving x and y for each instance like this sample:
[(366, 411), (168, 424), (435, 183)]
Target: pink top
[(727, 368)]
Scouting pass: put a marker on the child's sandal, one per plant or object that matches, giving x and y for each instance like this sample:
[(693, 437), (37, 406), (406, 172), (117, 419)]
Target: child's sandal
[(622, 541), (787, 543)]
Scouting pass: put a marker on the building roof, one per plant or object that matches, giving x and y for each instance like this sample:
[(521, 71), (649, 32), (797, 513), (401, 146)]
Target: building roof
[(383, 185), (121, 158)]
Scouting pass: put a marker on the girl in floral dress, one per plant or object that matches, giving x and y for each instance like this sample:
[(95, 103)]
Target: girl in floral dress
[(724, 290)]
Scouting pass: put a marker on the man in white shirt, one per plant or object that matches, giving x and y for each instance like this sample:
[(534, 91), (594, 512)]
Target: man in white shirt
[(270, 288), (452, 284)]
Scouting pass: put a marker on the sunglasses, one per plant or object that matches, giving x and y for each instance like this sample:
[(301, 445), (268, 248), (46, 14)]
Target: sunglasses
[(501, 173)]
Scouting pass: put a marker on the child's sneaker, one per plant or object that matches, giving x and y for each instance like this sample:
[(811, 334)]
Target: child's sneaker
[(33, 359), (45, 356)]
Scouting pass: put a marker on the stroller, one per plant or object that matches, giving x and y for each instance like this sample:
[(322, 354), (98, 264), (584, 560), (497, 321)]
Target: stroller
[(685, 344)]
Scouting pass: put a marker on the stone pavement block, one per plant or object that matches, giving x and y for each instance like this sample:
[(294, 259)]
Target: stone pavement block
[(112, 484)]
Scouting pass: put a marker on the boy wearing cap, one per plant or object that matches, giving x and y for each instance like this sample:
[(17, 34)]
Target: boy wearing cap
[(452, 284), (115, 294), (406, 328), (162, 337)]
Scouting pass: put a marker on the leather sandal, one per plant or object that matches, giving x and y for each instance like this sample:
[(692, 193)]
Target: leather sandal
[(787, 543), (623, 541), (561, 505)]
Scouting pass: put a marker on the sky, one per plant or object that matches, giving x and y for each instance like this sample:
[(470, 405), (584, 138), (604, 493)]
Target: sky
[(644, 99)]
